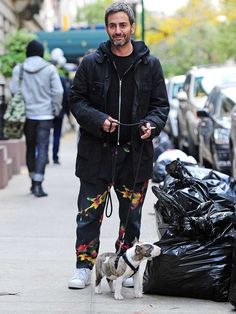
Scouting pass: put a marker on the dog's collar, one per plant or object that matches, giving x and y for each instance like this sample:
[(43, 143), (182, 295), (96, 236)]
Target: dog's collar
[(134, 269)]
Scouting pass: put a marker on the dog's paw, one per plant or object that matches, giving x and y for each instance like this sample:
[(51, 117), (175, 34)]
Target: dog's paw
[(138, 294), (98, 290), (118, 296)]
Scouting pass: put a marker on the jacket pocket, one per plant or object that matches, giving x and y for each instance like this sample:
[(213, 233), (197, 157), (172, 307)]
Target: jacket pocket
[(88, 158), (144, 98), (96, 94)]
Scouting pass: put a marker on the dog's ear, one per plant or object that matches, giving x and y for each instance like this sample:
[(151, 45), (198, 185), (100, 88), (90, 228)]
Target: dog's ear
[(138, 249)]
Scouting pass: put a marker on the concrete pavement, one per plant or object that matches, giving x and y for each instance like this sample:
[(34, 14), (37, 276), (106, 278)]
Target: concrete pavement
[(37, 258)]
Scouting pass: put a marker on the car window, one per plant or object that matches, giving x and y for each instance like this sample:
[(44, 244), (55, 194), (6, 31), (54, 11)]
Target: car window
[(186, 86), (211, 102), (226, 106), (177, 87), (198, 89)]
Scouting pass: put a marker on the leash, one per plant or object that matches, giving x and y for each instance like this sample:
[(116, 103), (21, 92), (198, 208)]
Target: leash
[(108, 199), (122, 240)]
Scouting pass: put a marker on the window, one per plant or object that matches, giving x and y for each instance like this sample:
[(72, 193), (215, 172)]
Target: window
[(177, 87), (198, 90), (187, 84), (226, 106)]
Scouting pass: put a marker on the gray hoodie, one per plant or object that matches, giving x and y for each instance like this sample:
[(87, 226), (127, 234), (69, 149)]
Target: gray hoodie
[(41, 88)]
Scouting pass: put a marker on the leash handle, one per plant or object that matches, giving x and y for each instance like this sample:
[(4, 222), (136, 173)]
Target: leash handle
[(107, 201)]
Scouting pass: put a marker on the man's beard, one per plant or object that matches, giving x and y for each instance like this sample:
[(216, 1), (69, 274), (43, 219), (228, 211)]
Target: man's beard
[(119, 43)]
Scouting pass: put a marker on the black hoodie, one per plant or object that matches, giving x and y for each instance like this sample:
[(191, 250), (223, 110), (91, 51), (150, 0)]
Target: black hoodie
[(122, 72)]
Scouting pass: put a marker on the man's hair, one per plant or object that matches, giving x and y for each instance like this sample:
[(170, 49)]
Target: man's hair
[(120, 7)]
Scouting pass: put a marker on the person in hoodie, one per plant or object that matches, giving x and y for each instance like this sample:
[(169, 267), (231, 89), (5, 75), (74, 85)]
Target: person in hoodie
[(119, 99), (42, 91)]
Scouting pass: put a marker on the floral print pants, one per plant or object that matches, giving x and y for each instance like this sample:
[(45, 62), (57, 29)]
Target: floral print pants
[(91, 201)]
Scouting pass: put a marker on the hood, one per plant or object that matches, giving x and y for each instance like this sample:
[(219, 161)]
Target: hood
[(34, 64), (199, 102), (223, 122), (140, 49)]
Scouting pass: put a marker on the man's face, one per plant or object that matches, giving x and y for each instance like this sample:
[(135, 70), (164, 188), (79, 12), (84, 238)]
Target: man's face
[(119, 29)]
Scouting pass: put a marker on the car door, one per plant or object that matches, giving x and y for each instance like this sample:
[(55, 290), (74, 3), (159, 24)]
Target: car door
[(220, 141), (206, 124), (183, 104)]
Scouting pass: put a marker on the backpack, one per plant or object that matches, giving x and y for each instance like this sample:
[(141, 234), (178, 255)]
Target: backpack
[(14, 117)]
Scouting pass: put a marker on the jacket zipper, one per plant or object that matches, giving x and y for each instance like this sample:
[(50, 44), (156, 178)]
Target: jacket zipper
[(119, 100)]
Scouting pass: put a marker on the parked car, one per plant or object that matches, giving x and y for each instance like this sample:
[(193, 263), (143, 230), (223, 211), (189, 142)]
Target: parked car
[(197, 86), (174, 86), (214, 128), (232, 139)]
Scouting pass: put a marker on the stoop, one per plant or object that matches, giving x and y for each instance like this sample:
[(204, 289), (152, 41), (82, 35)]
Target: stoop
[(14, 152), (3, 167)]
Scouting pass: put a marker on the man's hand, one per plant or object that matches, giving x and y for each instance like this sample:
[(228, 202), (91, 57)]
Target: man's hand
[(109, 125), (146, 131)]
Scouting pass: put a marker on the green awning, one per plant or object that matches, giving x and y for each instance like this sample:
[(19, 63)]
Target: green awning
[(74, 43)]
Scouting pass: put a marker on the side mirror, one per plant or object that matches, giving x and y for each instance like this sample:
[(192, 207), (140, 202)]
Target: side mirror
[(182, 96), (203, 113)]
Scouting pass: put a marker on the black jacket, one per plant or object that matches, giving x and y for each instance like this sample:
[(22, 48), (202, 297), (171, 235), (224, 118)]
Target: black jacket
[(88, 103)]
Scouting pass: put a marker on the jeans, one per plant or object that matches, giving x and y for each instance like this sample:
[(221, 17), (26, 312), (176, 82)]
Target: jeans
[(57, 126), (37, 134)]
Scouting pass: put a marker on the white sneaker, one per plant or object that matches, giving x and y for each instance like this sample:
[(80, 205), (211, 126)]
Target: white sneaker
[(81, 278), (128, 282)]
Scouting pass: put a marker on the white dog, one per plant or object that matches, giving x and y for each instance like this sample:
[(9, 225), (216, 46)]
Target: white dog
[(119, 267)]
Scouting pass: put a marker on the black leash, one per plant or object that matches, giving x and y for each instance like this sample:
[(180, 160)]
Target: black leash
[(108, 198), (131, 198)]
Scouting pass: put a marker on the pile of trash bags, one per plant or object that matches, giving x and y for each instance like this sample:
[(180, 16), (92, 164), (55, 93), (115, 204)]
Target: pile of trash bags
[(198, 207)]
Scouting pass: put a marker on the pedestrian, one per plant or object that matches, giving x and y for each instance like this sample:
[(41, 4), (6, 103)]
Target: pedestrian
[(119, 99), (42, 92), (58, 59)]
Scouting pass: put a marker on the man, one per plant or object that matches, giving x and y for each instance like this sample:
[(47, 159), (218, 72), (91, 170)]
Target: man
[(119, 83), (58, 59), (42, 92)]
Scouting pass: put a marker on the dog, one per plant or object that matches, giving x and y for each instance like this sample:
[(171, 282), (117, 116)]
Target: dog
[(119, 267)]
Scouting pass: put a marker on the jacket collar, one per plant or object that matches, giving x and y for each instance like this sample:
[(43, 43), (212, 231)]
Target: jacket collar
[(140, 49)]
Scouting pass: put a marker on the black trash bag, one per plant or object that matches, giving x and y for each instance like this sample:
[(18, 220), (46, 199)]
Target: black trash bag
[(215, 186), (232, 290), (221, 189), (204, 173), (188, 268), (203, 222), (175, 204)]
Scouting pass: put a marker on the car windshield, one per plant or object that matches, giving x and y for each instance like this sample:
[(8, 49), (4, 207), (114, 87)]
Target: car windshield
[(217, 77), (177, 87), (230, 92)]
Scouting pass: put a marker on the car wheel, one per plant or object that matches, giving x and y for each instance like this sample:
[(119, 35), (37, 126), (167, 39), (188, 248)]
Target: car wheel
[(180, 139), (233, 163), (214, 159), (192, 148)]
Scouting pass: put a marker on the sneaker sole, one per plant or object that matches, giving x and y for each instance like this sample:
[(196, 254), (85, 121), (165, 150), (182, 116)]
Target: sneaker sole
[(77, 287)]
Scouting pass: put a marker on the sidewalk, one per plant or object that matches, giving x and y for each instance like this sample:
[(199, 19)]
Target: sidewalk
[(37, 251)]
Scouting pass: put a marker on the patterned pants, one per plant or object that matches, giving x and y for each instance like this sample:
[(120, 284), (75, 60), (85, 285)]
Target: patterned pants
[(91, 202)]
